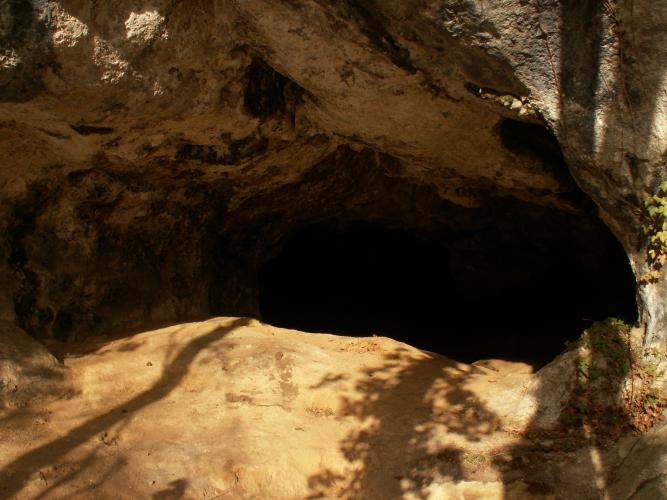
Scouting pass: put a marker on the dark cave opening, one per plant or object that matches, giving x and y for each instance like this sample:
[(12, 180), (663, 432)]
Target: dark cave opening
[(515, 289)]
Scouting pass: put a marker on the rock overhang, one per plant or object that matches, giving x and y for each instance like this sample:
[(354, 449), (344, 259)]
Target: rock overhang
[(211, 129)]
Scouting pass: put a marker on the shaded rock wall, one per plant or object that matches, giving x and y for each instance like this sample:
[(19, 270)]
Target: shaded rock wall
[(157, 152), (29, 374)]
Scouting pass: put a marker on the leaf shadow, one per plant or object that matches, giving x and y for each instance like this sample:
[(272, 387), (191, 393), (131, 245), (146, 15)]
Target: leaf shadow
[(402, 407)]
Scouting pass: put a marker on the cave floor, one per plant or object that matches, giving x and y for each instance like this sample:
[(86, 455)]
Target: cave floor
[(232, 408)]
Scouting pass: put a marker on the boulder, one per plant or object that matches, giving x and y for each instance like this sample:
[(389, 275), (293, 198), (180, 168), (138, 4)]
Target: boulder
[(29, 373)]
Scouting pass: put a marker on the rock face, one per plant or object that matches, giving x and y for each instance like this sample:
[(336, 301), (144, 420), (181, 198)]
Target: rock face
[(231, 407), (29, 374), (157, 153), (641, 474)]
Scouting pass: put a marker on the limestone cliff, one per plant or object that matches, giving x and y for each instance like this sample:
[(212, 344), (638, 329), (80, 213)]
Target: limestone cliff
[(156, 152)]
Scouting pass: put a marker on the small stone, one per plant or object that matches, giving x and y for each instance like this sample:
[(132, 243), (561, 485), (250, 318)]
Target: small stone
[(516, 105), (149, 364)]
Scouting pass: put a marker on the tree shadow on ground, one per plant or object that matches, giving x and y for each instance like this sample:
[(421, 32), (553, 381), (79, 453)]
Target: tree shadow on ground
[(421, 428), (15, 475), (608, 90), (404, 404), (598, 393)]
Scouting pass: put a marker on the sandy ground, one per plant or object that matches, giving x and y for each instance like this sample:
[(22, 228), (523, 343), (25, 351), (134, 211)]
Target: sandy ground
[(232, 408)]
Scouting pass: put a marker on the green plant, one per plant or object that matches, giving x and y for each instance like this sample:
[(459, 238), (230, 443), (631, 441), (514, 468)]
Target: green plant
[(655, 228), (610, 367)]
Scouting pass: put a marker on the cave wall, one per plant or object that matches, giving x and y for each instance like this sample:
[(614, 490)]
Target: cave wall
[(155, 152)]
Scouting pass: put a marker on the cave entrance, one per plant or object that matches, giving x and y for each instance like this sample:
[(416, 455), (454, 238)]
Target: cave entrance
[(514, 291)]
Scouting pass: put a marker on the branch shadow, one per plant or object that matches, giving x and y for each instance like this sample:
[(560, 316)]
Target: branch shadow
[(15, 475), (588, 426), (403, 405), (592, 33), (581, 47)]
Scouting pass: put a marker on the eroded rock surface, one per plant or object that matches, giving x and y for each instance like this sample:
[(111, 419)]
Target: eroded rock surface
[(641, 474), (174, 145), (233, 407), (29, 374)]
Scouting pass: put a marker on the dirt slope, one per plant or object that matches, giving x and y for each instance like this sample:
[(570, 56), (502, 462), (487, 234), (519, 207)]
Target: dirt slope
[(232, 408)]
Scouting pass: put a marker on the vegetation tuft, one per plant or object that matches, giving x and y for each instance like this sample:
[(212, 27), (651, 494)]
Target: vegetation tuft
[(655, 229), (616, 388)]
